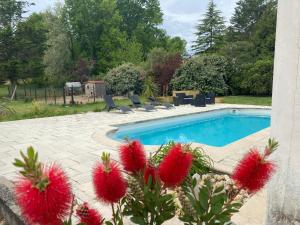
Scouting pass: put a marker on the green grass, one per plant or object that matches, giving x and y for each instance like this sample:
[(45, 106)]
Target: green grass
[(246, 100), (3, 91), (28, 110)]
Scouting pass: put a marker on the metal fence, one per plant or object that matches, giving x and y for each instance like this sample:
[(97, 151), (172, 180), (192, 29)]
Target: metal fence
[(52, 95)]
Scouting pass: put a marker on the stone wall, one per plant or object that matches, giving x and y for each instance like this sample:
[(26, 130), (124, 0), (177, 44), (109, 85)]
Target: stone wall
[(9, 211)]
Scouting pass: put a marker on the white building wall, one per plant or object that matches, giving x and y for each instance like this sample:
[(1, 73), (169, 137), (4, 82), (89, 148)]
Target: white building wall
[(284, 189)]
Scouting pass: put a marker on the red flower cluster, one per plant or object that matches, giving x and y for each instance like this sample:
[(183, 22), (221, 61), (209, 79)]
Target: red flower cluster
[(133, 157), (253, 172), (48, 206), (150, 171), (88, 216), (109, 184), (175, 166)]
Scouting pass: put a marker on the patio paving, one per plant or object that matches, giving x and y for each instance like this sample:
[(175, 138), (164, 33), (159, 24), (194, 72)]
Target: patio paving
[(74, 142)]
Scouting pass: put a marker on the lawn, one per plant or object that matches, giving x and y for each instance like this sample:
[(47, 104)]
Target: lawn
[(246, 100), (28, 110)]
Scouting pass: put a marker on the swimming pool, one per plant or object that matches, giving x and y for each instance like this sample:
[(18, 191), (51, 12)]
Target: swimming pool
[(215, 128)]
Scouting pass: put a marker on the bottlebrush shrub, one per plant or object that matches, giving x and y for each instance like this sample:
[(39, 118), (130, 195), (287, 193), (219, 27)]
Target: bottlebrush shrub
[(253, 171), (109, 184), (43, 193), (133, 156), (201, 162), (148, 200), (209, 203), (175, 166), (88, 216), (148, 203)]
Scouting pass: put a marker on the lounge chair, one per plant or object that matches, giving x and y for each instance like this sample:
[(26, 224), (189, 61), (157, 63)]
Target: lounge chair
[(110, 104), (154, 102), (136, 102), (200, 100), (210, 98)]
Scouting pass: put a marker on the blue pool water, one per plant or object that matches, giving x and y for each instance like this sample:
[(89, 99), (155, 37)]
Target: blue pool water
[(216, 128)]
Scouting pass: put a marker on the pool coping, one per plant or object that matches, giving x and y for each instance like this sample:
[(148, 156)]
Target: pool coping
[(225, 158)]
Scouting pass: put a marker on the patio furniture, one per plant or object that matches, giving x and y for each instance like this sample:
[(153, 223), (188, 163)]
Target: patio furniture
[(154, 102), (184, 99), (200, 100), (136, 102), (210, 98), (176, 101), (110, 104)]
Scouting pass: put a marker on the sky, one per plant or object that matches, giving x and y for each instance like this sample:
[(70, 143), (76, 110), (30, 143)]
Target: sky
[(180, 16)]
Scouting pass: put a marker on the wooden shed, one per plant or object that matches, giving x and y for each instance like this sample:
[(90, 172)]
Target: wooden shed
[(96, 87)]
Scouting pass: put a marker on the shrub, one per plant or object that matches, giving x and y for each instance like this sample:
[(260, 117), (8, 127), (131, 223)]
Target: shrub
[(259, 78), (203, 73), (163, 64), (45, 196), (124, 79), (201, 162), (149, 87)]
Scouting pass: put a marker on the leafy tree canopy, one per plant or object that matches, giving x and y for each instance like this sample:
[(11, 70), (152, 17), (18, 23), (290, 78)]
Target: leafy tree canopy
[(210, 30)]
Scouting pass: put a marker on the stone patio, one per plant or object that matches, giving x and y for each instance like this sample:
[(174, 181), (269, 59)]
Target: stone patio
[(77, 141)]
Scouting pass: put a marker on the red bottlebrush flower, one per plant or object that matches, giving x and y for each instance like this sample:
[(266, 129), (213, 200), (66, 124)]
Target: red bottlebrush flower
[(48, 206), (175, 166), (133, 157), (253, 172), (150, 171), (109, 184), (88, 216)]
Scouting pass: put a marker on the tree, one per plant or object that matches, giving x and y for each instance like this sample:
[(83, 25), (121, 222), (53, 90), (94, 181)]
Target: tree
[(247, 13), (204, 73), (140, 21), (176, 45), (10, 15), (22, 45), (250, 45), (58, 64), (162, 65), (30, 38), (210, 30)]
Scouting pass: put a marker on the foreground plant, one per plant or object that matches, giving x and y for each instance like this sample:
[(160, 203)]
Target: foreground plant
[(42, 192), (110, 186), (146, 191), (88, 216), (210, 202)]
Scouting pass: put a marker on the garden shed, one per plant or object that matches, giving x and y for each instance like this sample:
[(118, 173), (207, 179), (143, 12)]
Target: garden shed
[(95, 88)]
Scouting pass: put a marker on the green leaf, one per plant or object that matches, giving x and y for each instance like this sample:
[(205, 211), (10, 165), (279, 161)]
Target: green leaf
[(138, 220), (203, 197), (30, 153), (108, 223), (18, 163)]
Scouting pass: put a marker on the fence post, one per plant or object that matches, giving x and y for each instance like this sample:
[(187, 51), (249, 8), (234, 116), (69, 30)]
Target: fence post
[(35, 94), (45, 95), (72, 95), (54, 97), (64, 95), (30, 92), (94, 95)]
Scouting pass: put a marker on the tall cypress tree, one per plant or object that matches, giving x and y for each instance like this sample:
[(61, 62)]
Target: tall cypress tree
[(210, 31)]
